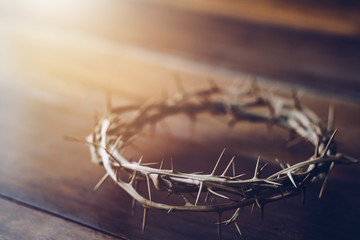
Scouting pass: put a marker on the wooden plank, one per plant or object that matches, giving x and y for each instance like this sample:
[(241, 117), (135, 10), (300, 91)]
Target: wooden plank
[(321, 60), (39, 168), (319, 16), (21, 222)]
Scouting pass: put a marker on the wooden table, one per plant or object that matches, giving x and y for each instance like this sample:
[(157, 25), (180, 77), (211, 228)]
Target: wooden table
[(54, 77)]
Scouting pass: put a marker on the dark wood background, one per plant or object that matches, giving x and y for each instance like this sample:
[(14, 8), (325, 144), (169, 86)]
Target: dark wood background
[(58, 61)]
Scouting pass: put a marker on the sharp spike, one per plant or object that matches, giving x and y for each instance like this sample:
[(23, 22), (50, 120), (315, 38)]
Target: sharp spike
[(140, 160), (233, 169), (237, 228), (161, 164), (150, 164), (144, 220), (316, 154), (148, 186), (274, 183), (331, 118), (217, 194), (228, 166), (133, 177), (252, 207), (257, 202), (325, 180), (218, 161), (101, 181), (172, 165), (111, 155), (187, 203), (206, 197), (115, 144), (134, 200), (291, 179), (329, 142), (281, 165), (198, 195), (262, 168), (257, 168)]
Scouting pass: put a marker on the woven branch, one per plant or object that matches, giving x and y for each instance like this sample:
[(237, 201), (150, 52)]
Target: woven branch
[(121, 125)]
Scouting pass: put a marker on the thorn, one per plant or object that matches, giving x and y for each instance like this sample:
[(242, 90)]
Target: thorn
[(187, 203), (263, 166), (198, 195), (305, 178), (161, 164), (331, 118), (257, 202), (294, 142), (329, 142), (252, 207), (169, 210), (206, 197), (325, 180), (101, 181), (148, 186), (219, 226), (271, 182), (172, 165), (316, 154), (256, 168), (111, 155), (150, 164), (291, 179), (237, 228), (233, 169), (134, 200), (262, 169), (228, 166), (144, 220), (217, 194), (140, 160), (117, 174), (281, 165), (133, 177), (218, 161), (115, 144)]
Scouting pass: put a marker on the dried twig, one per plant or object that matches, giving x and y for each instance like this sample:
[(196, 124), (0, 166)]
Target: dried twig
[(105, 145)]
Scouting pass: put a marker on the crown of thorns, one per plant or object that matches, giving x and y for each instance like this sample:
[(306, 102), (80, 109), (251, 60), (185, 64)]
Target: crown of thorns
[(121, 125)]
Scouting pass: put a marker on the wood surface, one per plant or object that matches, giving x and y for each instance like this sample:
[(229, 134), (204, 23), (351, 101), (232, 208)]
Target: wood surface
[(54, 76), (261, 39)]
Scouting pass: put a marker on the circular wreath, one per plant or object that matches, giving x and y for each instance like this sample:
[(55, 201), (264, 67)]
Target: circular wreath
[(121, 125)]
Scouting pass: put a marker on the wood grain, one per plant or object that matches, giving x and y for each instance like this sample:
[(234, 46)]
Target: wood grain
[(20, 222), (321, 60), (54, 73), (41, 169)]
